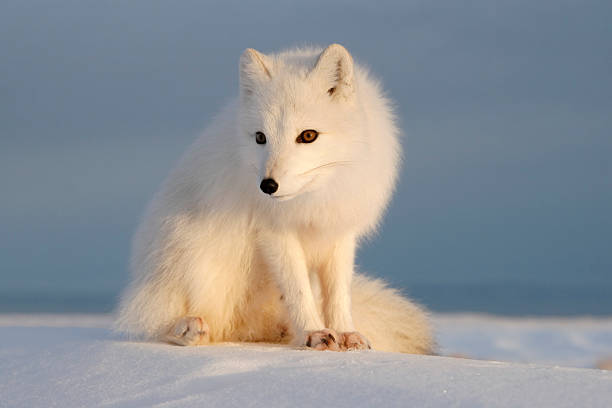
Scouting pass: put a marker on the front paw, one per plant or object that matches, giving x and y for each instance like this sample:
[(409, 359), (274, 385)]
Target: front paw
[(189, 331), (325, 339), (354, 341)]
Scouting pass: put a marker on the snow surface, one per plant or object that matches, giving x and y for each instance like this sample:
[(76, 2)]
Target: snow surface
[(75, 361), (572, 342)]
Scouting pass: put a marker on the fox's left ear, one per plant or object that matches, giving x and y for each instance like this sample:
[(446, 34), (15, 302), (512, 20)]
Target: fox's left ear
[(335, 68)]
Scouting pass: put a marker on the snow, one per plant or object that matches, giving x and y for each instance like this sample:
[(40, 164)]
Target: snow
[(572, 342), (74, 361)]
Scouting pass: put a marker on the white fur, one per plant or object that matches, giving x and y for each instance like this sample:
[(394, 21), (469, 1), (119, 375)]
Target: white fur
[(214, 251)]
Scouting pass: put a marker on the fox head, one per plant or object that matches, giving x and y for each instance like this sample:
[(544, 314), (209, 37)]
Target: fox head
[(299, 117)]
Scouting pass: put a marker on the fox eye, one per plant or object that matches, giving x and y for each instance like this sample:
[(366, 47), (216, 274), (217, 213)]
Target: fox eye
[(307, 136), (260, 138)]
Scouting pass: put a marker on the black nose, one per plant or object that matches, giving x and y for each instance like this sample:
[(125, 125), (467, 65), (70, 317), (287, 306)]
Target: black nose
[(268, 186)]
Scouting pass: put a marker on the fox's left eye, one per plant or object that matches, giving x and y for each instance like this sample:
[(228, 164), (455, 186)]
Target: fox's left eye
[(307, 136)]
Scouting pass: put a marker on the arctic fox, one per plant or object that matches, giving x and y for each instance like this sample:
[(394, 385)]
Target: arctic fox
[(253, 235)]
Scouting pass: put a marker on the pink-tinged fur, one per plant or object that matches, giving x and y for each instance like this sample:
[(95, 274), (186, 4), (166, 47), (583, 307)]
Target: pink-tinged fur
[(216, 259)]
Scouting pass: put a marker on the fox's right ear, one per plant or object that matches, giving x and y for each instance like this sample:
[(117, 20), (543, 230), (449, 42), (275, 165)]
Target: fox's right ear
[(254, 68)]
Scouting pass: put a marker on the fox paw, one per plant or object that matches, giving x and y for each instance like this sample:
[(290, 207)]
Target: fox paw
[(189, 331), (354, 341), (325, 339)]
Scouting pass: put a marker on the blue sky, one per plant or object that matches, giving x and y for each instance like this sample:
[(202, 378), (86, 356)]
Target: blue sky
[(505, 105)]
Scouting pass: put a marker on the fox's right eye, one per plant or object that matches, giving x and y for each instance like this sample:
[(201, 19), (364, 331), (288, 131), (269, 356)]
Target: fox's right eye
[(260, 138)]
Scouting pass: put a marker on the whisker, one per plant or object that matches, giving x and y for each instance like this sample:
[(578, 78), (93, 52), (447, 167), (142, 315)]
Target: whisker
[(330, 164)]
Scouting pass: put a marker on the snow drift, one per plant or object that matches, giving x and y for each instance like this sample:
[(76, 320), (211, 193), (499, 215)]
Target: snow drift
[(72, 361)]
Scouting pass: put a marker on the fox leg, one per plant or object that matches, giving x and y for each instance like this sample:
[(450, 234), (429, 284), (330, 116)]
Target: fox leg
[(336, 276), (285, 258)]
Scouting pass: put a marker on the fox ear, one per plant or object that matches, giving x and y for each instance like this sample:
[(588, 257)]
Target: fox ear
[(254, 67), (335, 68)]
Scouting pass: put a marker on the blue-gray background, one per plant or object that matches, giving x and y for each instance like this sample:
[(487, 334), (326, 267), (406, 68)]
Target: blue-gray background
[(505, 201)]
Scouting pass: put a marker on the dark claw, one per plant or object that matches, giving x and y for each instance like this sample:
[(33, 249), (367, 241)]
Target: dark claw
[(332, 337), (308, 343)]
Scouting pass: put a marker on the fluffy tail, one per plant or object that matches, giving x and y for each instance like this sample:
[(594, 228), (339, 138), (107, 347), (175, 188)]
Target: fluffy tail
[(389, 321)]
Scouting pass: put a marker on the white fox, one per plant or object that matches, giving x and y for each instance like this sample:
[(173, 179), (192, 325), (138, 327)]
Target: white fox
[(253, 235)]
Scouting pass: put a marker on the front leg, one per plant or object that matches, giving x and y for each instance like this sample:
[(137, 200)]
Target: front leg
[(336, 276), (285, 258)]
